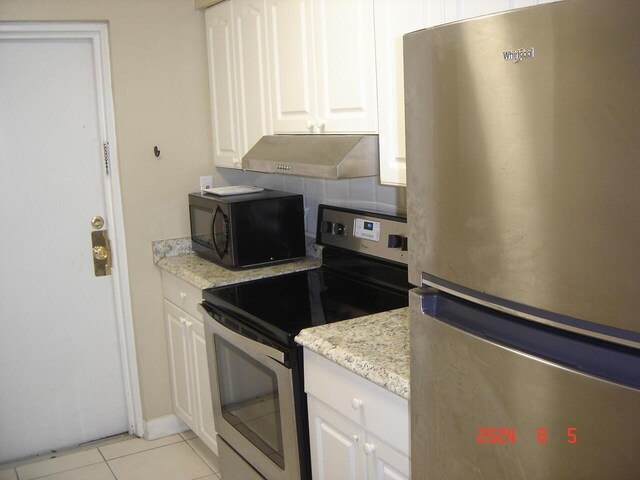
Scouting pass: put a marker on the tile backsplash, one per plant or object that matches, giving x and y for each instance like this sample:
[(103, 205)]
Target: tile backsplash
[(363, 193)]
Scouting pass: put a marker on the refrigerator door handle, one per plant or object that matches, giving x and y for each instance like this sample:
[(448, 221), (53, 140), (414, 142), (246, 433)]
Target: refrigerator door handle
[(606, 360)]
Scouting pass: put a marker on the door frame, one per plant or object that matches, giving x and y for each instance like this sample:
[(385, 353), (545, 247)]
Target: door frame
[(97, 33)]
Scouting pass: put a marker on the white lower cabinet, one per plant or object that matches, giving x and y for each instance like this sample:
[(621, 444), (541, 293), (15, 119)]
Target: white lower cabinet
[(190, 384), (179, 363), (357, 429), (205, 426), (385, 462), (335, 443)]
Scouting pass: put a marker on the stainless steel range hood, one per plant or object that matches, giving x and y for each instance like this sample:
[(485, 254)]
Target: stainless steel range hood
[(324, 156)]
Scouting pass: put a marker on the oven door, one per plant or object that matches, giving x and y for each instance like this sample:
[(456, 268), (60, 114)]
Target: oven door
[(252, 394)]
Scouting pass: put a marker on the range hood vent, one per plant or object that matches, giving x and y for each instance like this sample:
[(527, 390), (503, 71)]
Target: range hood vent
[(324, 156)]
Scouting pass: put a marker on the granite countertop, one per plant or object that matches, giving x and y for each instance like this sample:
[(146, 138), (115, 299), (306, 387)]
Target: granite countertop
[(176, 257), (203, 274), (375, 347)]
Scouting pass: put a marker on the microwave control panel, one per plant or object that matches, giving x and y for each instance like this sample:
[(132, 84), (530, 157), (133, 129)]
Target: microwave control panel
[(370, 233)]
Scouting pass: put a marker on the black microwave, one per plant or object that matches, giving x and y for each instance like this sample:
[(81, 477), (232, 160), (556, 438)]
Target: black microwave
[(249, 229)]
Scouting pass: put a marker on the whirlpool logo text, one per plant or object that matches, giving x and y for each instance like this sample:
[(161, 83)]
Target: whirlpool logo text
[(516, 56)]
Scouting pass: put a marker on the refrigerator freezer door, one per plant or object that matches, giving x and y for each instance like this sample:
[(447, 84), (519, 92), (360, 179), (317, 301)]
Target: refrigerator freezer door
[(523, 175), (481, 410)]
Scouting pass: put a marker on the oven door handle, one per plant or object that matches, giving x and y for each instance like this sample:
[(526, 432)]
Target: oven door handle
[(240, 340)]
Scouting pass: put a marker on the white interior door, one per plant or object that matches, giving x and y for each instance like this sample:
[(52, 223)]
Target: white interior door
[(61, 369)]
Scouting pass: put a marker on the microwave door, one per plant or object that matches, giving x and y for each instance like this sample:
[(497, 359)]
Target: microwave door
[(201, 228), (220, 232)]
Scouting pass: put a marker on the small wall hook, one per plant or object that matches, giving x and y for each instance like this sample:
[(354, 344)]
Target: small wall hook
[(156, 151)]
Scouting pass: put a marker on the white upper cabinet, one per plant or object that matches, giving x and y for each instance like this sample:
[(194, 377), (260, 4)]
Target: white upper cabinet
[(250, 35), (222, 81), (393, 19), (322, 66), (318, 66), (292, 67), (238, 77), (345, 66)]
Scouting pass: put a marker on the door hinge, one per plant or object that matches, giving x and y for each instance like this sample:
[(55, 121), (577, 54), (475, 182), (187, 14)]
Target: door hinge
[(107, 158)]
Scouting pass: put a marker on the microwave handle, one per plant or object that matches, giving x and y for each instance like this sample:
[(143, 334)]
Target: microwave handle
[(220, 250)]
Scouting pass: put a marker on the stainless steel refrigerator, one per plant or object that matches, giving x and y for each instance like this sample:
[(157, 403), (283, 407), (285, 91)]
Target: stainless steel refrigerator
[(523, 162)]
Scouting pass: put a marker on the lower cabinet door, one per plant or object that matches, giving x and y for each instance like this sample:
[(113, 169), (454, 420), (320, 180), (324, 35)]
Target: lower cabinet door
[(179, 363), (385, 462), (336, 450), (206, 428)]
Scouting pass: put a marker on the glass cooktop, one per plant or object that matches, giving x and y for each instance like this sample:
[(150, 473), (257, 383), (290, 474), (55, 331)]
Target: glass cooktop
[(282, 306)]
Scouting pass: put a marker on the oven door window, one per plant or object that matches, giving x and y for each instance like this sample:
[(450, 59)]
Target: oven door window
[(249, 399)]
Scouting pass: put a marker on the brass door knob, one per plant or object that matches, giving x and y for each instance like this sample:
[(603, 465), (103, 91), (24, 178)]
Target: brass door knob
[(100, 252)]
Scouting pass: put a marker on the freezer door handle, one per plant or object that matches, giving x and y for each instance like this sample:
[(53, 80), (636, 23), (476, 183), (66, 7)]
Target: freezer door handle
[(610, 361)]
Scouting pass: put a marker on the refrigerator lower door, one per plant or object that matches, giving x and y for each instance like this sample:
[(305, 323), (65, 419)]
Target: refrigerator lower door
[(485, 408)]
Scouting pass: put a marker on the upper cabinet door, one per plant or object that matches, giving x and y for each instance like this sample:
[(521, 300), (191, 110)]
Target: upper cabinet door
[(346, 66), (323, 77), (222, 81), (292, 67), (393, 19), (251, 42)]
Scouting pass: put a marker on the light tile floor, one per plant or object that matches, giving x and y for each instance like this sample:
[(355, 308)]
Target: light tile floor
[(176, 457)]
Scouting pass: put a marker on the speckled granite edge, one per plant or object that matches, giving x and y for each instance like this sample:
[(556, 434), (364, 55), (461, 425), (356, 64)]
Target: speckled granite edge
[(312, 248), (375, 347), (173, 247), (203, 274)]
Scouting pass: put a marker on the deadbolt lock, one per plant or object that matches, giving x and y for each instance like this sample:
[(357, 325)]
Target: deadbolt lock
[(97, 222)]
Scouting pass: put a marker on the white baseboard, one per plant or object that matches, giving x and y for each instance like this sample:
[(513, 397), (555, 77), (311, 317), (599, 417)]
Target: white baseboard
[(163, 426)]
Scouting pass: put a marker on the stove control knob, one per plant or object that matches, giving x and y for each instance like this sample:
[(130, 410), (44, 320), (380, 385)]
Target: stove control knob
[(337, 229), (395, 241), (332, 228), (326, 226)]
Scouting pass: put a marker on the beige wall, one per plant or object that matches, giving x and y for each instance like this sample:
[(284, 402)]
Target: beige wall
[(160, 90)]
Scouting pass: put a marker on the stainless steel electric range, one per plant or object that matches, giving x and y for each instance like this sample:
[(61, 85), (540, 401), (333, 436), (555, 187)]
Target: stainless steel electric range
[(257, 381)]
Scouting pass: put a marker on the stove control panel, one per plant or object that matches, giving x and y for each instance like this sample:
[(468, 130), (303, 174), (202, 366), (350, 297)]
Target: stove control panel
[(366, 229), (371, 233)]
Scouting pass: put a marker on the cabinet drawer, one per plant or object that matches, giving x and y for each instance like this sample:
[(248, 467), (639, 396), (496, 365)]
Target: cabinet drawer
[(182, 294), (381, 412)]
